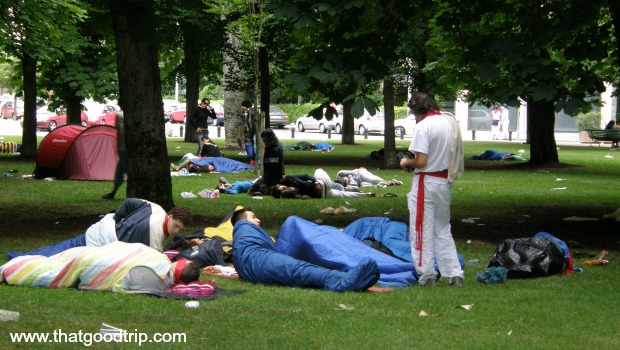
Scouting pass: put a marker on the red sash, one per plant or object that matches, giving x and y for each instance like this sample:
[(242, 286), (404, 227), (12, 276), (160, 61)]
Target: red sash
[(419, 215)]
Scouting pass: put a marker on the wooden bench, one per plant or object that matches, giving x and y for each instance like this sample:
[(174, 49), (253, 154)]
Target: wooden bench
[(612, 135)]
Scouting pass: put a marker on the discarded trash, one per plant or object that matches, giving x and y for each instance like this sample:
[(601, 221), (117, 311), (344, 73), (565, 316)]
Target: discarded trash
[(521, 151), (257, 197), (209, 193), (614, 215), (473, 262), (470, 220), (6, 315), (13, 171), (27, 177), (49, 179), (337, 211), (6, 175), (558, 188), (192, 304), (493, 275), (423, 313), (595, 262), (579, 218), (188, 195), (510, 332), (343, 307), (558, 179), (111, 333), (467, 307), (609, 156)]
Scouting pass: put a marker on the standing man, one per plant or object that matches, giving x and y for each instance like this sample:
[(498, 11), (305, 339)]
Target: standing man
[(200, 120), (438, 162), (505, 122), (121, 165), (249, 129)]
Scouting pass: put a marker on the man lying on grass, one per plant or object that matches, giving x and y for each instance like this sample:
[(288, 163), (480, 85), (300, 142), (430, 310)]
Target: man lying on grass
[(256, 260), (116, 267), (135, 221)]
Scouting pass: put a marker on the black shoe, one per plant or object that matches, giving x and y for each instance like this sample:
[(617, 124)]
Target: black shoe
[(108, 196), (456, 282)]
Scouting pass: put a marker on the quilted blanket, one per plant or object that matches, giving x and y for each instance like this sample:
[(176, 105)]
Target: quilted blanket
[(92, 268)]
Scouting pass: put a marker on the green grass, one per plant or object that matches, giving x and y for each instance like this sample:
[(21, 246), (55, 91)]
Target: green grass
[(576, 311)]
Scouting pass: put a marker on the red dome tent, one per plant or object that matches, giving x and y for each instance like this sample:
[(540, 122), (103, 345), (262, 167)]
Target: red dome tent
[(74, 152)]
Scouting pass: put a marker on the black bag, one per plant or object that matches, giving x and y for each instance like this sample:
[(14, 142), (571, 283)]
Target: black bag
[(529, 257)]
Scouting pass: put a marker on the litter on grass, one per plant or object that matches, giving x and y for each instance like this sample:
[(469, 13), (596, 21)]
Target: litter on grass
[(343, 307), (579, 218), (337, 211), (466, 307), (558, 188)]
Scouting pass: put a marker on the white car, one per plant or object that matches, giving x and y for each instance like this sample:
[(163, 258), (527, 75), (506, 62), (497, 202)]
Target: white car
[(308, 123), (367, 122), (404, 126), (170, 106)]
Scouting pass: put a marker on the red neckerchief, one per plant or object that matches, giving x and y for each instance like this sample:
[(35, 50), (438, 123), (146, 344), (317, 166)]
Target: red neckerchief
[(179, 269), (430, 114), (166, 233)]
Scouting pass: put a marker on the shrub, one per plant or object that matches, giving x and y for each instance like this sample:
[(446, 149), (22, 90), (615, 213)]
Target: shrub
[(590, 120), (295, 111)]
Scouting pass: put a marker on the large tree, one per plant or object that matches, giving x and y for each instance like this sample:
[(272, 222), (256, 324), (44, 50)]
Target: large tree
[(552, 54), (148, 174), (27, 33)]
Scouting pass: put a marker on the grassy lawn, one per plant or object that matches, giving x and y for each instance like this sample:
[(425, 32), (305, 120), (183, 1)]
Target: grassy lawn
[(508, 199)]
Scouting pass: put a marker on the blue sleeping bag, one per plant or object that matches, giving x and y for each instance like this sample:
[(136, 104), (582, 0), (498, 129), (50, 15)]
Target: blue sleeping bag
[(223, 164), (256, 260), (329, 247), (393, 235)]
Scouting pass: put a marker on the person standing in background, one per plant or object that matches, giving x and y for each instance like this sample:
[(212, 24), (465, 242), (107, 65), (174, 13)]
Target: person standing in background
[(250, 130), (496, 116), (505, 122), (121, 165), (438, 162), (199, 119)]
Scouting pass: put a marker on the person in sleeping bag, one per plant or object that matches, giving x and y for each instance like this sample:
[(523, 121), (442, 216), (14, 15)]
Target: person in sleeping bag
[(135, 221), (256, 260), (117, 267)]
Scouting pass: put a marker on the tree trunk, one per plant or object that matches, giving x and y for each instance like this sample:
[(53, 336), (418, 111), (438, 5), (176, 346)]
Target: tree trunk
[(389, 141), (148, 175), (233, 97), (541, 123), (348, 137), (192, 75), (265, 82), (73, 107), (29, 132)]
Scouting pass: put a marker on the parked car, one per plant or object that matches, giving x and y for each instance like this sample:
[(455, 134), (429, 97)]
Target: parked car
[(479, 119), (169, 107), (108, 117), (277, 117), (178, 116), (374, 124), (8, 110), (404, 126), (52, 121), (219, 111), (308, 123)]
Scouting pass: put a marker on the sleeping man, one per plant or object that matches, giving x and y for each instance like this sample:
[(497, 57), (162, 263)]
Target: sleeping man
[(117, 267), (256, 260), (135, 221)]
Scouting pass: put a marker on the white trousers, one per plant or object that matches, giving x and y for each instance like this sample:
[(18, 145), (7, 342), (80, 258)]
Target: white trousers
[(437, 242)]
